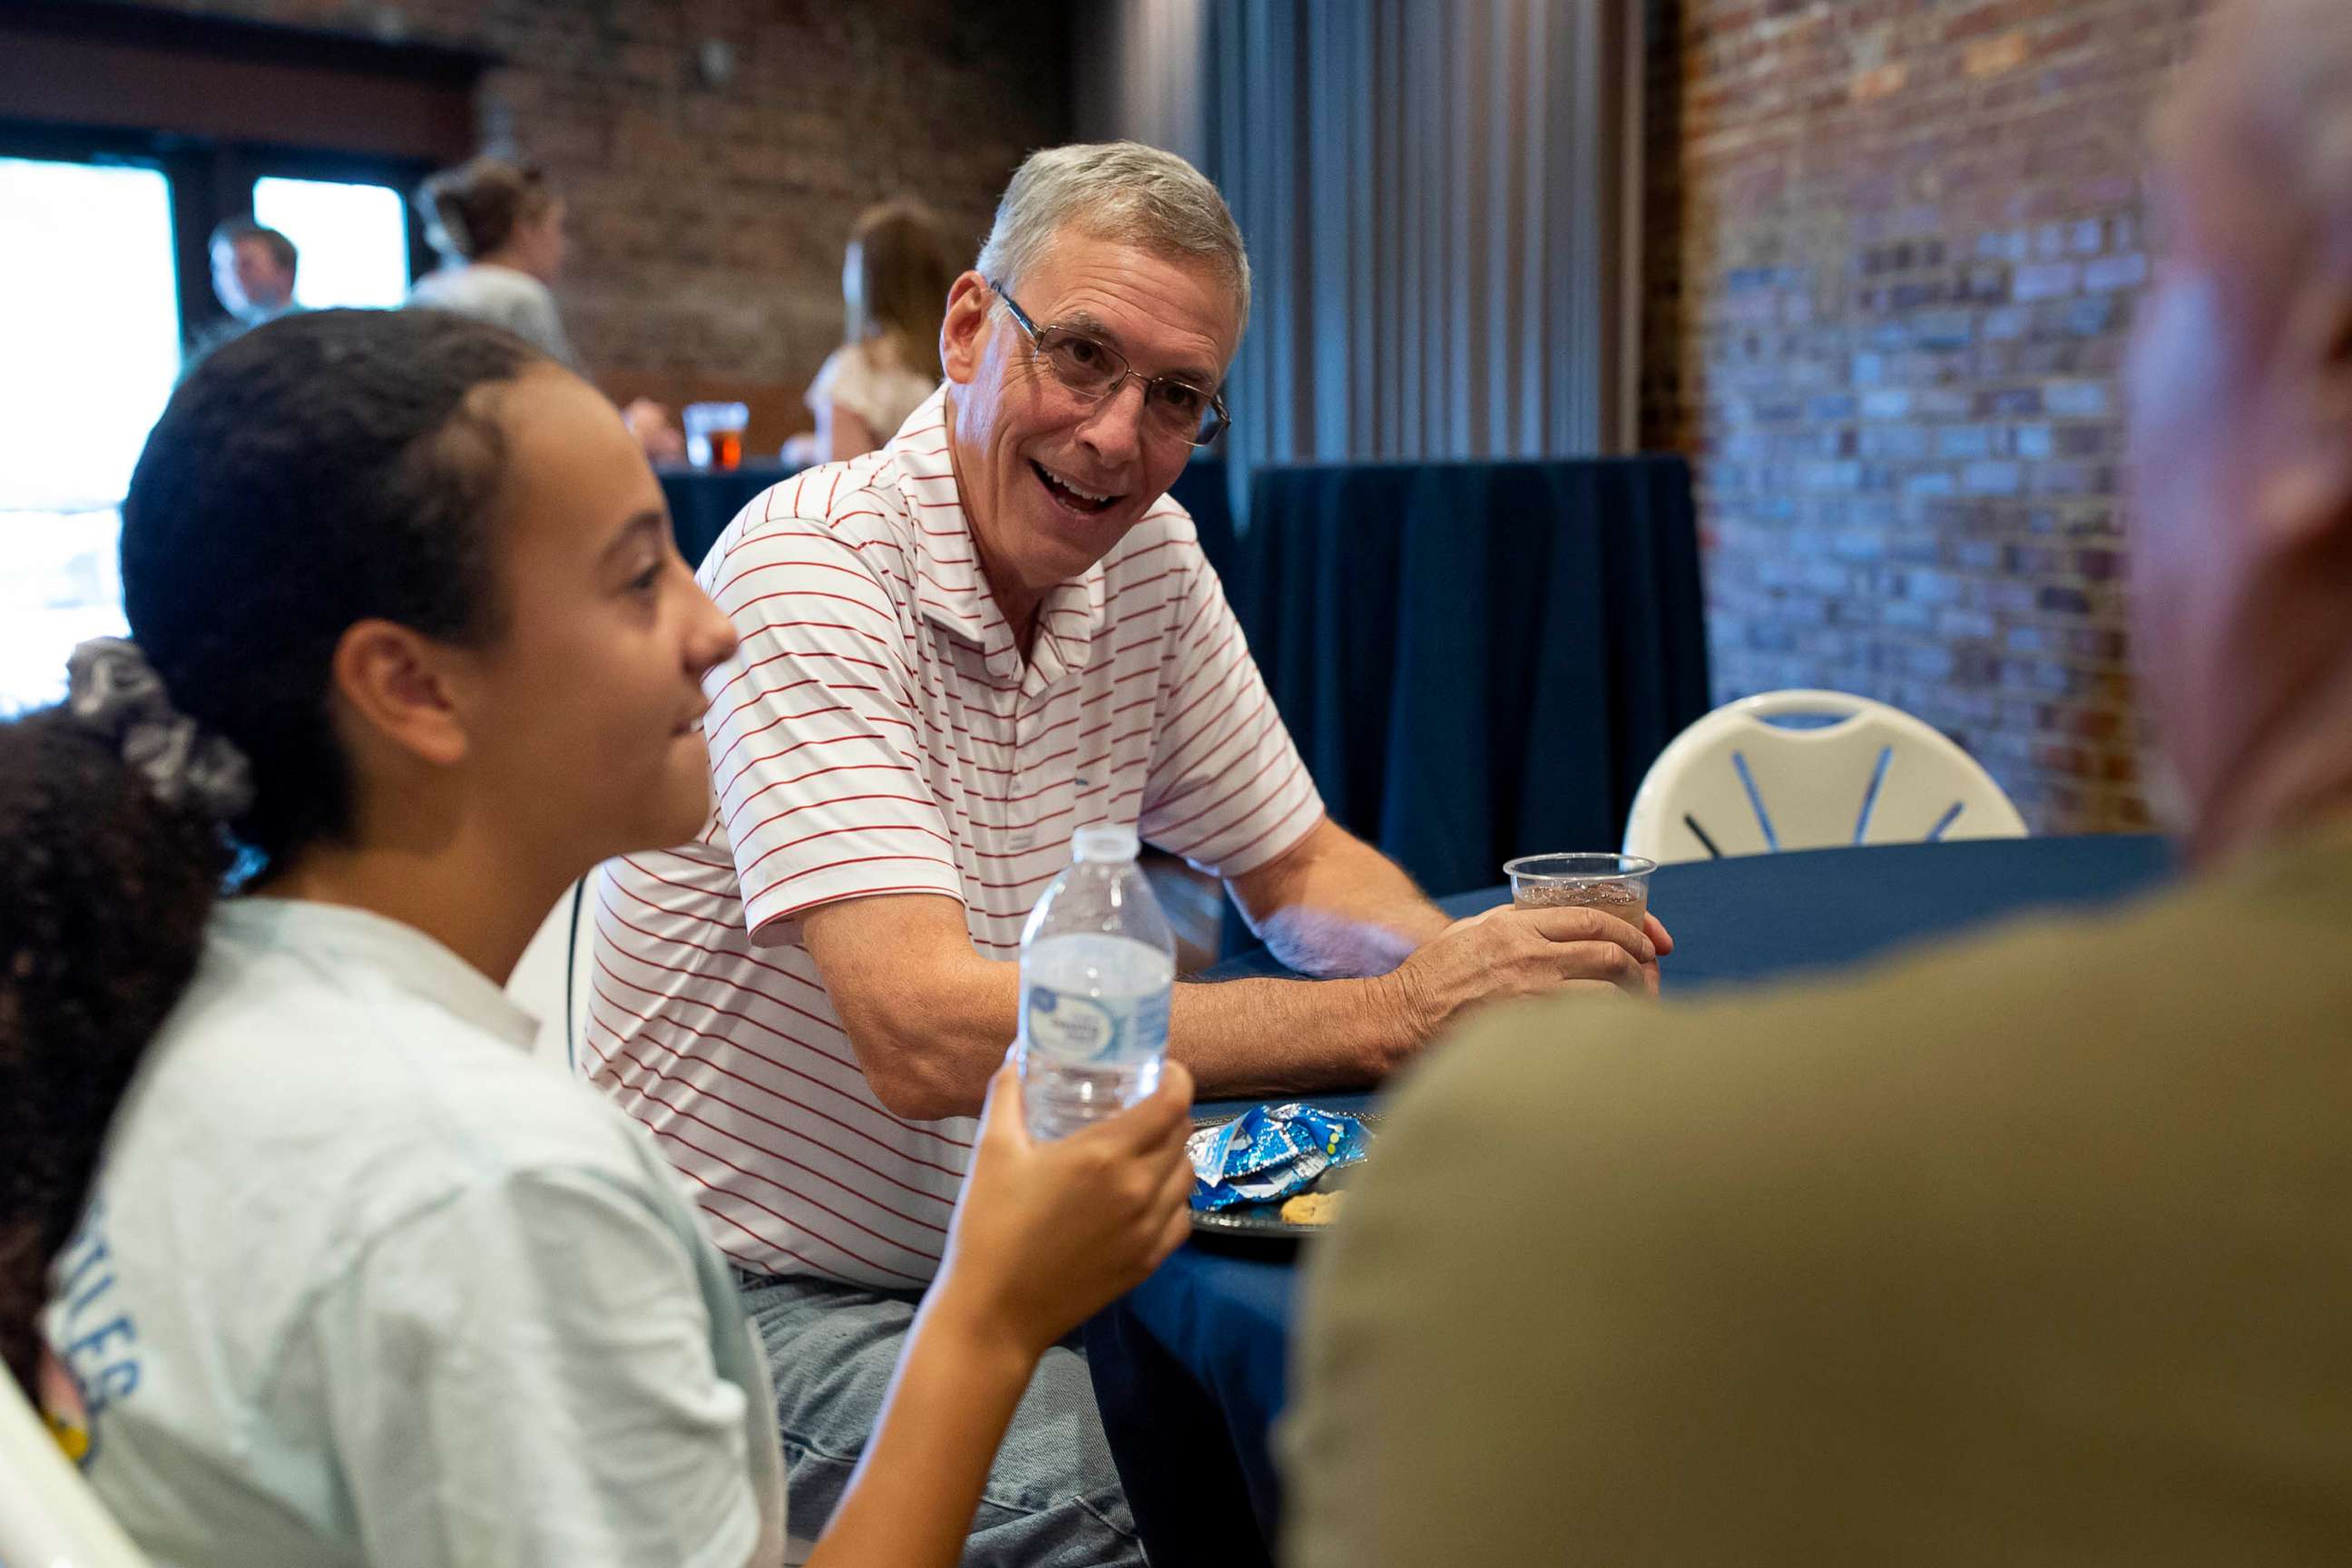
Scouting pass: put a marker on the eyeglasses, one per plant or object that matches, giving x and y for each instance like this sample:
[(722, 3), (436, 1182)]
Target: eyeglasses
[(1094, 371)]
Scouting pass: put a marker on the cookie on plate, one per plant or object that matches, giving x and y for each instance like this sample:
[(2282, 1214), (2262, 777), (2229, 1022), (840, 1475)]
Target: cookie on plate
[(1311, 1208)]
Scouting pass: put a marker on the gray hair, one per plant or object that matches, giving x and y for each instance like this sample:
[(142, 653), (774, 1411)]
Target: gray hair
[(1121, 191)]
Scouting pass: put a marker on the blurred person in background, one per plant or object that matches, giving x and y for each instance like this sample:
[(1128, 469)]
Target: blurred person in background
[(2027, 1251), (253, 270), (499, 228), (894, 285)]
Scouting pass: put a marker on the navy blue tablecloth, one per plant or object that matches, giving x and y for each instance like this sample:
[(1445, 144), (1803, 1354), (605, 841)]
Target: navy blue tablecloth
[(1476, 658), (1189, 1369), (703, 501)]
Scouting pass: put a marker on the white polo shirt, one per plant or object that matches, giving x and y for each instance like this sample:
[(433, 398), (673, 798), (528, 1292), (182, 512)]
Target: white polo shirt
[(362, 1283), (878, 733)]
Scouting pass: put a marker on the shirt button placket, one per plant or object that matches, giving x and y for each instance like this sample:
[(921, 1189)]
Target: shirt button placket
[(1020, 818)]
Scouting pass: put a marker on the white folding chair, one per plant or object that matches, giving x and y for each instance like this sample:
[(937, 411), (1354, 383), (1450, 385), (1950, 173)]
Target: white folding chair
[(48, 1516), (551, 980), (1809, 770)]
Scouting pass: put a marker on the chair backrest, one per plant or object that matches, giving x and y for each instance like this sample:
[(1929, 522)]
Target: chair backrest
[(1747, 780), (551, 980), (581, 969), (48, 1516)]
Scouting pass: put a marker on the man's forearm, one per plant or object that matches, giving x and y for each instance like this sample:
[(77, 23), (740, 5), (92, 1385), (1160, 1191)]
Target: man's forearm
[(929, 1018), (1334, 906), (1363, 941), (1250, 1037), (1239, 1038)]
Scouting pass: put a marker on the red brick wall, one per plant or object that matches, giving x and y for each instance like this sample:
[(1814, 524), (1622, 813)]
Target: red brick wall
[(707, 222), (1896, 246)]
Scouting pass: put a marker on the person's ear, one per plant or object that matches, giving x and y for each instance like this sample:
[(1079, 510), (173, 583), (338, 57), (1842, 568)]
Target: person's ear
[(2306, 495), (963, 333), (403, 687), (2335, 337)]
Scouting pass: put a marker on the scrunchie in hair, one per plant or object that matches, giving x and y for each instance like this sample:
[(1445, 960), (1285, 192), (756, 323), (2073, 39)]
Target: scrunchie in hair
[(115, 692)]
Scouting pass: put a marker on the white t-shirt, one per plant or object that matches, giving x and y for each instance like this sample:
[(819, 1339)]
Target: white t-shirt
[(879, 732), (867, 379), (501, 296), (361, 1282)]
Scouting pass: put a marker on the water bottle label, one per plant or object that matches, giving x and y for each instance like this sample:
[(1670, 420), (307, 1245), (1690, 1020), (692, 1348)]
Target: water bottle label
[(1074, 1029)]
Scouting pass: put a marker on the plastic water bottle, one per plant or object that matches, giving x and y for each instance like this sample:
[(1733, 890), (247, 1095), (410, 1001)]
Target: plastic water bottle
[(1098, 962)]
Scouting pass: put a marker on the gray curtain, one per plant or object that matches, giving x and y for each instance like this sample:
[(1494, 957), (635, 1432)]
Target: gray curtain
[(1436, 197)]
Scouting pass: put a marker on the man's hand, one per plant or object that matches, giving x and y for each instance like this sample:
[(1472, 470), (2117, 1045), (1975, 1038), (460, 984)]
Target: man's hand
[(1508, 953), (1660, 938)]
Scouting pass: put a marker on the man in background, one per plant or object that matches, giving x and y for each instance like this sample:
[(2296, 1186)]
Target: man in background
[(2027, 1252), (253, 270)]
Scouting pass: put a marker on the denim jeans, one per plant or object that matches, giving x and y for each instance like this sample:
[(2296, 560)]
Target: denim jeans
[(1053, 1497)]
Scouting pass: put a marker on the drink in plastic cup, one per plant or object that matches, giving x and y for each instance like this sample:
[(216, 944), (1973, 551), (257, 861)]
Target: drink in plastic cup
[(714, 433), (1616, 885)]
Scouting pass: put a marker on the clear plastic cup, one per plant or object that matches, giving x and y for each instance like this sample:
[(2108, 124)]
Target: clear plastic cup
[(714, 433), (1616, 885)]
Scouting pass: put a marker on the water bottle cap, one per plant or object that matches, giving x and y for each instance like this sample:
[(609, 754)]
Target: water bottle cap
[(1104, 842)]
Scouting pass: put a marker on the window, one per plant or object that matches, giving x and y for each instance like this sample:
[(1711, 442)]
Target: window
[(127, 132), (90, 313), (97, 316), (352, 239)]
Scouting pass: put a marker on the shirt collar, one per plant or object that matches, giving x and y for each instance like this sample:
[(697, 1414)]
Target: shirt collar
[(949, 591), (352, 939)]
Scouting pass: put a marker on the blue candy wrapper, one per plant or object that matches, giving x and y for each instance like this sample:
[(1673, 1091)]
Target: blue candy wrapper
[(1269, 1152)]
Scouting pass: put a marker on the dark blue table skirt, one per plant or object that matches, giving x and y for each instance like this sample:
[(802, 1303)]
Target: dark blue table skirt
[(1202, 490), (703, 501), (1189, 1369), (1477, 660)]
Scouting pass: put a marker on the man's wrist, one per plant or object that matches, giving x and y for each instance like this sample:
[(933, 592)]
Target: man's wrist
[(1398, 1021)]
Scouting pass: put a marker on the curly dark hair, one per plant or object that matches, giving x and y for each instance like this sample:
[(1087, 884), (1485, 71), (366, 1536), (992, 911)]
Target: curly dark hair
[(322, 470), (107, 891)]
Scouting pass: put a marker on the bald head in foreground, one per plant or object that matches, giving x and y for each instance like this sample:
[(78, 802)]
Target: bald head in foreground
[(2031, 1251)]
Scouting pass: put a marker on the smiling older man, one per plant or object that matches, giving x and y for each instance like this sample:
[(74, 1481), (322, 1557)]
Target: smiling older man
[(956, 651), (2028, 1252)]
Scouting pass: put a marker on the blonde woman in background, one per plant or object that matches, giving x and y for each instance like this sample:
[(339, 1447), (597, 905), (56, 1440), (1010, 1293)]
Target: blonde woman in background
[(894, 286), (498, 226)]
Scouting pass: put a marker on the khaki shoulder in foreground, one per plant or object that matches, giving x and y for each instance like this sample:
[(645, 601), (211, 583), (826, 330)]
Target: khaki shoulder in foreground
[(2028, 1252)]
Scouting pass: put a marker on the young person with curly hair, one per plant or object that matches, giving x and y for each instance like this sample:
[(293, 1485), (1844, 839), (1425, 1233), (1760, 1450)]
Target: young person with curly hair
[(354, 1279)]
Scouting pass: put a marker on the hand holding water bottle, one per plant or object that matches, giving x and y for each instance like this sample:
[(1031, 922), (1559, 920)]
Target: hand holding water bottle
[(1050, 1232)]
